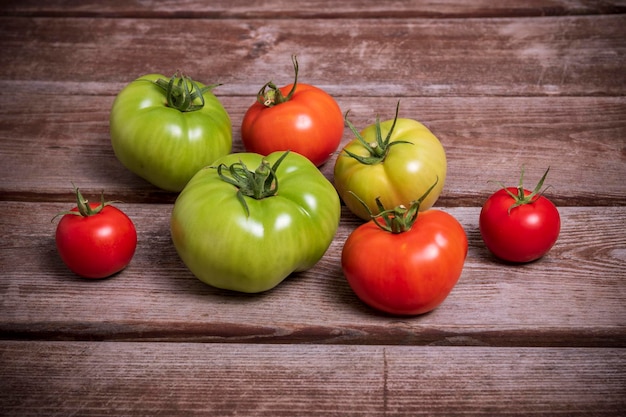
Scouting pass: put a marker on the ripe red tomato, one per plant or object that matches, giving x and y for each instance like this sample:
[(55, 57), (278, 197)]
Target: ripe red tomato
[(518, 225), (95, 240), (408, 272), (298, 117)]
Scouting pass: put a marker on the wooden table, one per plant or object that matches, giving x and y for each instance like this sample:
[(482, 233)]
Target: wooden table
[(502, 84)]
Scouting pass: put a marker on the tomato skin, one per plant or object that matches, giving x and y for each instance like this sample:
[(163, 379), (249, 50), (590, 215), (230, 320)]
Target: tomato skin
[(403, 176), (525, 234), (407, 273), (229, 248), (310, 123), (161, 144), (96, 246)]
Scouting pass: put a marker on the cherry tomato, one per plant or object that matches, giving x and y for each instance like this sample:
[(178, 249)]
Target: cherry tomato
[(298, 117), (518, 225), (95, 240), (408, 269)]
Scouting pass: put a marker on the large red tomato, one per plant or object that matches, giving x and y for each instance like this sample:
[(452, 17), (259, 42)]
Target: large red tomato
[(518, 225), (405, 269), (298, 117)]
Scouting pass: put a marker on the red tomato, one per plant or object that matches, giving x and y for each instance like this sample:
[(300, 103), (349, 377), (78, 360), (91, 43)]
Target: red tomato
[(95, 240), (410, 272), (298, 117), (518, 225)]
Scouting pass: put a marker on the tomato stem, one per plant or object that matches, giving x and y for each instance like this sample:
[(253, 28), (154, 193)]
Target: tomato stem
[(84, 208), (258, 184), (274, 96), (398, 219), (183, 93), (521, 198), (379, 149)]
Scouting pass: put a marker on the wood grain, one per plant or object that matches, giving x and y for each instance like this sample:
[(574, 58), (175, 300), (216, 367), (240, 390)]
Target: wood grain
[(571, 55), (552, 302), (75, 66), (149, 379), (307, 9), (503, 85), (486, 140)]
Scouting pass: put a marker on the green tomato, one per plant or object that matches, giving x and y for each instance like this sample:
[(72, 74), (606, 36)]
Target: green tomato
[(165, 131), (249, 221), (397, 160)]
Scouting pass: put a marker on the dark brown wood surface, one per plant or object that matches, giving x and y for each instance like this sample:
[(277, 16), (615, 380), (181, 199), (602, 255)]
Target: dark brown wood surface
[(502, 84), (191, 379)]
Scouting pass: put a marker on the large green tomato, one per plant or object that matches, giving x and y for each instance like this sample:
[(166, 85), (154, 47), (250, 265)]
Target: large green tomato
[(248, 221), (165, 131), (397, 160)]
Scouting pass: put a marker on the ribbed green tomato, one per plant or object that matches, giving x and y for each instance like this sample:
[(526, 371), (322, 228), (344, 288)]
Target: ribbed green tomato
[(245, 224), (166, 131), (396, 160)]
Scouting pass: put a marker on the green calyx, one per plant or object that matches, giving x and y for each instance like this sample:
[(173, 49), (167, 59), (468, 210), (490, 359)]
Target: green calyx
[(379, 149), (270, 95), (398, 219), (183, 93), (84, 208), (258, 184), (521, 198)]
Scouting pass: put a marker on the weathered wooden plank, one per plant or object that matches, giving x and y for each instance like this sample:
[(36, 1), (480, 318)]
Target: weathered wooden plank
[(574, 296), (536, 83), (42, 378), (49, 143), (570, 55), (307, 9)]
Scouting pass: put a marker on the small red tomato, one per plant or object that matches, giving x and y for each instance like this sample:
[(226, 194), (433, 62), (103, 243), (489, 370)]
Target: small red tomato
[(95, 240), (518, 225), (298, 117), (408, 265)]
